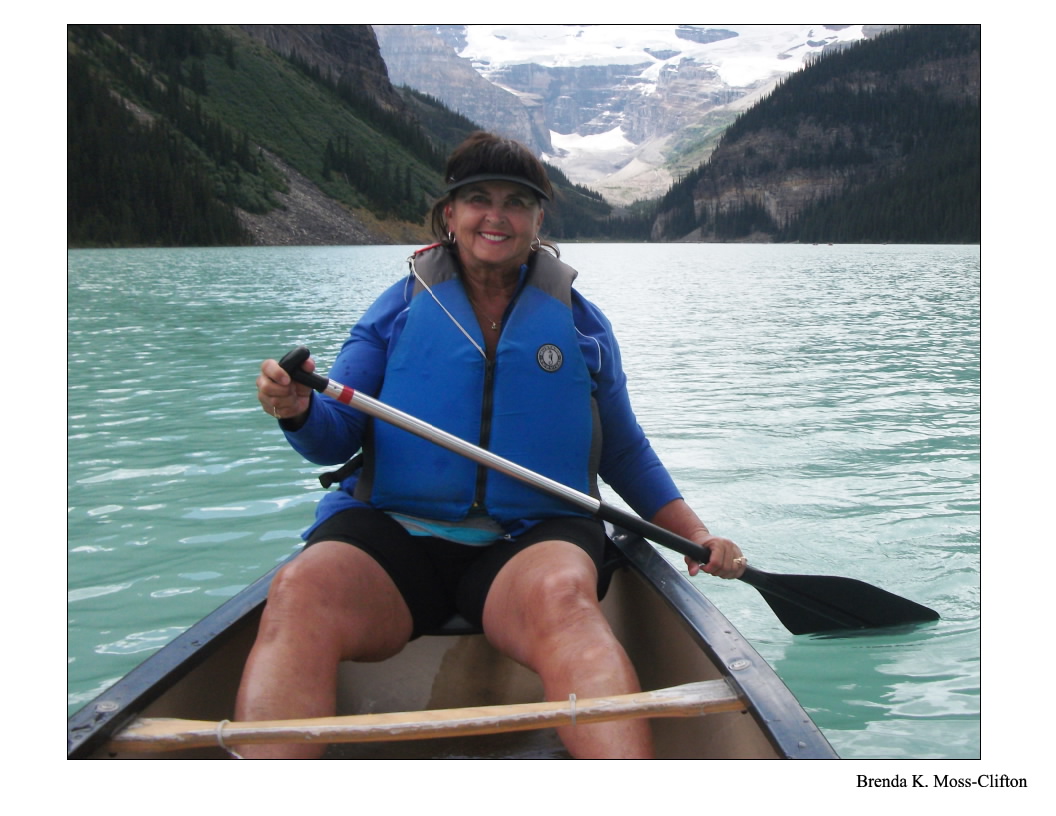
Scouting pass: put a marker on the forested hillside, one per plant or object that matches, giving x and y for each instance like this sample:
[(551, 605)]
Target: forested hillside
[(879, 142), (177, 134)]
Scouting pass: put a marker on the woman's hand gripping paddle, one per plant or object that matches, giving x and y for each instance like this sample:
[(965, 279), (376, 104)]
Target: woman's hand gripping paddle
[(803, 603)]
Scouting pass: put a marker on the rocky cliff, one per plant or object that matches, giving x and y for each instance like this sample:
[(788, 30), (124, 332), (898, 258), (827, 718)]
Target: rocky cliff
[(422, 57), (347, 53), (621, 109)]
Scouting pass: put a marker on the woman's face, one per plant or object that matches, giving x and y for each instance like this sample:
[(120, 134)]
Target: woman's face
[(494, 224)]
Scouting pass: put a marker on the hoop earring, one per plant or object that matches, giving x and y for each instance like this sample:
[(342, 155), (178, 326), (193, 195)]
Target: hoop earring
[(536, 244), (451, 238)]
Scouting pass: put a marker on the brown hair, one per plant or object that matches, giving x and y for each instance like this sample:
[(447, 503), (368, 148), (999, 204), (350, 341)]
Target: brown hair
[(484, 155)]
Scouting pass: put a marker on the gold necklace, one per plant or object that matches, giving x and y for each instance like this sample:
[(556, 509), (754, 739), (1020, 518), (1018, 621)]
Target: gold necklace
[(481, 313)]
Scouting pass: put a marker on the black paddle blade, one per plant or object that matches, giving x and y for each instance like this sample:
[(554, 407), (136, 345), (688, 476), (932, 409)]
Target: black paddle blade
[(807, 604)]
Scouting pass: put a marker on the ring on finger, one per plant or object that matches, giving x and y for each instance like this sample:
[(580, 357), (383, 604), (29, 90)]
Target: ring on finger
[(740, 560)]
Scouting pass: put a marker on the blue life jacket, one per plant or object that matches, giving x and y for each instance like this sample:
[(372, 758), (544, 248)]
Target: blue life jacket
[(531, 405)]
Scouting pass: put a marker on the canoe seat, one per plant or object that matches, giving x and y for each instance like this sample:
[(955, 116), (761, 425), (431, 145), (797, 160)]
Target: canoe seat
[(455, 625)]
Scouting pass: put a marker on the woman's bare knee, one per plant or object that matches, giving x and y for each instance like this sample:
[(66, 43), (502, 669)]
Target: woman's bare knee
[(538, 601), (337, 589)]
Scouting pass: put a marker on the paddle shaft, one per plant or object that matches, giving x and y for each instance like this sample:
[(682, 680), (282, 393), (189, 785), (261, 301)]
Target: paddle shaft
[(803, 603), (291, 363)]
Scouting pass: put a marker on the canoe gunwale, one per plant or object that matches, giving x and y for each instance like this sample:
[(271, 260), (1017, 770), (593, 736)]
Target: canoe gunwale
[(778, 714), (90, 728)]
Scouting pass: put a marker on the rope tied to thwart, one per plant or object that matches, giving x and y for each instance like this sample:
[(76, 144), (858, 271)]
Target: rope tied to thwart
[(220, 740)]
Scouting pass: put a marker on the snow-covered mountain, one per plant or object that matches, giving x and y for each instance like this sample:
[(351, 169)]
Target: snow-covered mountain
[(619, 108)]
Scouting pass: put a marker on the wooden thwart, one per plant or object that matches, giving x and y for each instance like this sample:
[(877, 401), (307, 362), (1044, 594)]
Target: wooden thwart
[(689, 700)]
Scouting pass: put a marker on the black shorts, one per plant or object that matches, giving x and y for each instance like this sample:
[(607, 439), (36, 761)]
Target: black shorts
[(440, 578)]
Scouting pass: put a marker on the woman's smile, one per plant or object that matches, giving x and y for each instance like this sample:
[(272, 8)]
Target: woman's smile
[(494, 224)]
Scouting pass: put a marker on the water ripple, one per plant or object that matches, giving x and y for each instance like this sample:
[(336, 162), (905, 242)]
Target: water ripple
[(820, 405)]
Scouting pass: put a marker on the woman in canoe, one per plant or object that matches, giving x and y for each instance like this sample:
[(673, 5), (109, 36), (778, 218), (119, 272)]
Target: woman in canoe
[(487, 339)]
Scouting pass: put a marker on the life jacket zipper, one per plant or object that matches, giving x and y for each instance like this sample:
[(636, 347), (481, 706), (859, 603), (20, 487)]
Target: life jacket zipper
[(486, 408)]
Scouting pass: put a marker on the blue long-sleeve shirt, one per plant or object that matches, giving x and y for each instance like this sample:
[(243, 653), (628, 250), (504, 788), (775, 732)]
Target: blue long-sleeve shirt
[(332, 432)]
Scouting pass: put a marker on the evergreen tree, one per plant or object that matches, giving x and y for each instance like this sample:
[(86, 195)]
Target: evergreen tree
[(130, 184), (902, 154)]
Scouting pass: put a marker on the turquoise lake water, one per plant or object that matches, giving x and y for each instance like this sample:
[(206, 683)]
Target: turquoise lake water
[(818, 404)]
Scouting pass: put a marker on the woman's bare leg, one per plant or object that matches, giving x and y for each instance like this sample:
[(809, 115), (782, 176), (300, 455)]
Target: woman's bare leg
[(543, 612), (333, 602)]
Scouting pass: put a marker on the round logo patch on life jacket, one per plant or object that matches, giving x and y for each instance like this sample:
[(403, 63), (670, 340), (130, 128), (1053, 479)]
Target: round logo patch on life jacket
[(549, 357)]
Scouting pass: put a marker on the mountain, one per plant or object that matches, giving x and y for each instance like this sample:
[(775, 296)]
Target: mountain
[(269, 134), (184, 135), (622, 109), (880, 142)]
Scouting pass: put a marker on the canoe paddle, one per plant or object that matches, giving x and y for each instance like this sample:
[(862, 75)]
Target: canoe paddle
[(805, 604)]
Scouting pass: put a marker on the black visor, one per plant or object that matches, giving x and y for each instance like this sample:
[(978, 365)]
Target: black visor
[(454, 185)]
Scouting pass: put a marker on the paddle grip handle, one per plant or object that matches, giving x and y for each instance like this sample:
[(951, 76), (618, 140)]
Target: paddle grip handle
[(291, 363)]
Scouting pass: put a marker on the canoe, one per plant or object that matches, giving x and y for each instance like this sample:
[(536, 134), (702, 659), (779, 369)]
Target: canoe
[(677, 639)]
